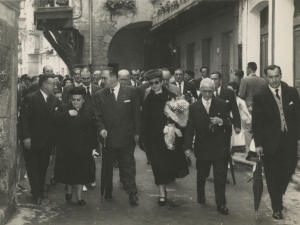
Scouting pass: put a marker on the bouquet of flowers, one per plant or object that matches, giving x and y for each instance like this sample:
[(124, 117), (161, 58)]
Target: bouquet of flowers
[(170, 130), (178, 111)]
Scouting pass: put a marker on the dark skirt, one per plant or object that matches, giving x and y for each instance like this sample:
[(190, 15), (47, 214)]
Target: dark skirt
[(73, 169), (167, 165)]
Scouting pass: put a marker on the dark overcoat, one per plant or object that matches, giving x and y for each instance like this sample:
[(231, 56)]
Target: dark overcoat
[(75, 141)]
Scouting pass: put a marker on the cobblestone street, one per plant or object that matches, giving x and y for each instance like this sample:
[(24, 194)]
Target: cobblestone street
[(182, 206)]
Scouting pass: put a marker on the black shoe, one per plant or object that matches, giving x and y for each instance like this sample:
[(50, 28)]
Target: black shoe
[(201, 200), (108, 196), (133, 198), (227, 181), (222, 209), (163, 202), (37, 200), (52, 182), (189, 161), (81, 202), (116, 164), (46, 187), (277, 215), (251, 155), (44, 195), (68, 197)]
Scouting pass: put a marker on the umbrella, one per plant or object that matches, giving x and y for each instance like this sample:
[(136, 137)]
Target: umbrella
[(103, 172), (257, 184), (231, 165)]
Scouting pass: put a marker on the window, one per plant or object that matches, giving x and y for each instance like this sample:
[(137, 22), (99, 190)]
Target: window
[(190, 56)]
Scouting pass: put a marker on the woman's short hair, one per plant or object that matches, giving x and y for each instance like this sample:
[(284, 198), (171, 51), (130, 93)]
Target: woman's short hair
[(65, 80), (234, 85), (190, 72)]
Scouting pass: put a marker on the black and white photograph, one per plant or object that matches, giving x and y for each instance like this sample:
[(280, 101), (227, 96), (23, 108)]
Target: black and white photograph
[(161, 112)]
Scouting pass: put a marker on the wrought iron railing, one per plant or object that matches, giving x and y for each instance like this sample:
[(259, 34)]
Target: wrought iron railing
[(51, 3)]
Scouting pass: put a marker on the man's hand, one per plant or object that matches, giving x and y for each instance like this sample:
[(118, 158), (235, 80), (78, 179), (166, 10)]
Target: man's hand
[(216, 120), (237, 130), (259, 151), (27, 143), (188, 153), (137, 139), (73, 112), (103, 133), (95, 154)]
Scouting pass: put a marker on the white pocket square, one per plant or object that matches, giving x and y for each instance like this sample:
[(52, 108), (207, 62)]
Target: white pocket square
[(291, 103), (227, 101), (127, 101)]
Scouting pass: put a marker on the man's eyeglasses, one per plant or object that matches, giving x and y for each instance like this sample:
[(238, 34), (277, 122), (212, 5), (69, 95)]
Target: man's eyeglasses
[(155, 82)]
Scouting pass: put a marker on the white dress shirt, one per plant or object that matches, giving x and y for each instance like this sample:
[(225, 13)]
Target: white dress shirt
[(44, 95), (86, 88), (76, 84), (99, 82), (181, 86), (116, 90), (219, 90), (274, 90), (206, 104)]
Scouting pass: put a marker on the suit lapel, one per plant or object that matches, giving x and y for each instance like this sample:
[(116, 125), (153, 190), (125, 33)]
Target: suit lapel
[(42, 100), (120, 99), (108, 98), (213, 108), (222, 94), (270, 99), (284, 96)]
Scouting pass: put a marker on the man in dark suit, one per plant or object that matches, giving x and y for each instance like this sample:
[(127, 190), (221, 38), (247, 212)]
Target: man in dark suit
[(228, 96), (22, 92), (208, 121), (204, 74), (118, 118), (37, 133), (142, 90), (185, 86), (276, 130), (91, 89), (135, 75)]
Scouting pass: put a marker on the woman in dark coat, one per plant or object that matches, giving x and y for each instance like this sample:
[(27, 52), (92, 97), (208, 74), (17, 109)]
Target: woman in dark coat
[(76, 144), (167, 165)]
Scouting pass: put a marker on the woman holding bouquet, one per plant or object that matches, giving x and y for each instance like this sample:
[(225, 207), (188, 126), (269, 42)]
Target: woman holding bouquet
[(167, 165)]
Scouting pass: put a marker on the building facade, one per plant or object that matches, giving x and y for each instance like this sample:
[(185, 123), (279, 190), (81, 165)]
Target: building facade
[(34, 51), (221, 34)]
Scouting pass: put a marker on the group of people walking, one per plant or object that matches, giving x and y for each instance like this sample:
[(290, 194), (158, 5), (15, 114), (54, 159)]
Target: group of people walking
[(119, 110)]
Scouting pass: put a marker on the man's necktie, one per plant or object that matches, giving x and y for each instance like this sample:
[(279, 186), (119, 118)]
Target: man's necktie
[(207, 107), (217, 93), (179, 84), (277, 95), (113, 94), (88, 93)]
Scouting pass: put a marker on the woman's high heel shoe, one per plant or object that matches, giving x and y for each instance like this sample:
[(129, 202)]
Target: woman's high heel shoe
[(162, 203), (68, 197)]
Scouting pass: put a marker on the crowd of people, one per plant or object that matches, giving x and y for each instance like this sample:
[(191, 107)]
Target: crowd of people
[(66, 122)]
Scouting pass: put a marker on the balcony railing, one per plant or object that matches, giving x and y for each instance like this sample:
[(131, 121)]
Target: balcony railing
[(51, 3)]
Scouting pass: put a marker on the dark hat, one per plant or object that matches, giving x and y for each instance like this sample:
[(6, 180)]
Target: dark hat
[(151, 74), (24, 76), (77, 91)]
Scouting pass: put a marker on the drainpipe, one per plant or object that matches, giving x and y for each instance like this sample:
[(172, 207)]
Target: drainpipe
[(90, 18)]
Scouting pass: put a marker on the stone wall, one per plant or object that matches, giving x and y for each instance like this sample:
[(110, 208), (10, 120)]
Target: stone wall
[(9, 17), (104, 26)]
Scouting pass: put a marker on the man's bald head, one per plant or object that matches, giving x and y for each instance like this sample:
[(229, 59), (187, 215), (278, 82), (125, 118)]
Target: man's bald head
[(124, 77), (48, 70)]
